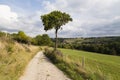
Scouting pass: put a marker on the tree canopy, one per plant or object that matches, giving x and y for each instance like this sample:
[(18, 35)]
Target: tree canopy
[(55, 20)]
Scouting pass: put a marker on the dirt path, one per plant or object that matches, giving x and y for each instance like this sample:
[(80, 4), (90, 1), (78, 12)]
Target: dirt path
[(40, 68)]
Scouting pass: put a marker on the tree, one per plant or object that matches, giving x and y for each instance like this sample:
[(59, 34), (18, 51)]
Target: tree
[(55, 20), (21, 37), (38, 39), (43, 40)]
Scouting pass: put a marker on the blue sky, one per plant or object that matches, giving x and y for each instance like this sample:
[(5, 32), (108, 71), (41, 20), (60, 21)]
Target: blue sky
[(29, 6), (91, 18)]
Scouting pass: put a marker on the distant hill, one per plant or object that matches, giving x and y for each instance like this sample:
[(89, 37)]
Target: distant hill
[(105, 45)]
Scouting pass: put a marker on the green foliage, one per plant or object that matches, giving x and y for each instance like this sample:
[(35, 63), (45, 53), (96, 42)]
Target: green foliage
[(43, 40), (55, 20), (104, 45), (21, 37), (38, 39)]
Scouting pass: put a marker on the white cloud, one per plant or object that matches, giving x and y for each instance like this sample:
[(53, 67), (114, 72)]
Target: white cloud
[(86, 14), (7, 14), (90, 17), (8, 18), (10, 21)]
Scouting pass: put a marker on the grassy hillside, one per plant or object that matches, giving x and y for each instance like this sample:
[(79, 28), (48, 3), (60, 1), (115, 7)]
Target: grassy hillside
[(13, 58), (82, 65), (96, 65)]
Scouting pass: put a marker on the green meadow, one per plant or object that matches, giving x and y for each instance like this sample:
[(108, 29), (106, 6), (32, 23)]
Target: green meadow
[(97, 66)]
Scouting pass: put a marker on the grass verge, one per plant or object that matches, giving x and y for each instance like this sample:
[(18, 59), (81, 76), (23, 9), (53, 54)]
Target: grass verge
[(66, 65)]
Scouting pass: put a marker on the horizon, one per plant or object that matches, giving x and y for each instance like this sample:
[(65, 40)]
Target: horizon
[(66, 37), (91, 18)]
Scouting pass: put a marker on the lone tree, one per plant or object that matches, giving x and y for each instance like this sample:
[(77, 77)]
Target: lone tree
[(55, 20)]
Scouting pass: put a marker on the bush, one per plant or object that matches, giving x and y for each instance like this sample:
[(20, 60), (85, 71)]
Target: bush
[(53, 55)]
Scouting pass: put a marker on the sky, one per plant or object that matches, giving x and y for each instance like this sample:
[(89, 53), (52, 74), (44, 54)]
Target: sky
[(91, 18)]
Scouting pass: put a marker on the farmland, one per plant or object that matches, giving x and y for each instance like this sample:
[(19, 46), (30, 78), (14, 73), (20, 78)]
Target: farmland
[(96, 65)]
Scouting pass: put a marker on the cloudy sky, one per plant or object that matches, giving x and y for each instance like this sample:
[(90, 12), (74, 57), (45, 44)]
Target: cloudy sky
[(91, 18)]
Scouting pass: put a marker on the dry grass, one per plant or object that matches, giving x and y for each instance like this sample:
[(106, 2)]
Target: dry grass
[(13, 58)]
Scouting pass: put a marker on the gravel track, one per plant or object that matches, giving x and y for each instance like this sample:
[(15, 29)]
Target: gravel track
[(40, 68)]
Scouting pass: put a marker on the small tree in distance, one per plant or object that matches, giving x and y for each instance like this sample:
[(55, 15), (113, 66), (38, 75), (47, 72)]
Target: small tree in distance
[(55, 20)]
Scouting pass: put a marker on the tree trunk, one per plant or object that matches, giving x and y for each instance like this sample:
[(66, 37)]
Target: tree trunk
[(56, 39)]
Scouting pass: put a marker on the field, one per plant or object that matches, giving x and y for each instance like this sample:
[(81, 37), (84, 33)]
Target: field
[(97, 66)]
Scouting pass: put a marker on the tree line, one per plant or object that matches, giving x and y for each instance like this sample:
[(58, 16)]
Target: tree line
[(21, 37), (105, 45)]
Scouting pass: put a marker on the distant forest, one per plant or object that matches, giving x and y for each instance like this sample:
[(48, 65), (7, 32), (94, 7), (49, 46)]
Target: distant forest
[(104, 45)]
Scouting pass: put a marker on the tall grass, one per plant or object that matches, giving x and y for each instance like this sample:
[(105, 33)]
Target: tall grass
[(66, 65), (13, 58), (96, 66)]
